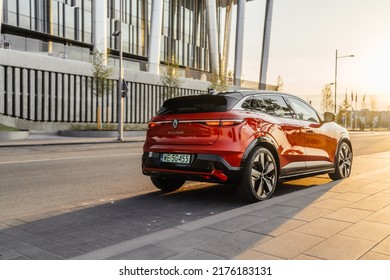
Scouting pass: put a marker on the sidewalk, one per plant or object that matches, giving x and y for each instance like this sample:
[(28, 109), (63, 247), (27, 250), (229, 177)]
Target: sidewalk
[(348, 219)]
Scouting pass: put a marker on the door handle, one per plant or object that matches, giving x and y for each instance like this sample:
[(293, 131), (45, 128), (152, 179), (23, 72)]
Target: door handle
[(309, 130)]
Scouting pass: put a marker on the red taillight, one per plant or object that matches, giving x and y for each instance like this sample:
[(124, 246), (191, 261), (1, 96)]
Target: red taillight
[(223, 122), (151, 124), (212, 123)]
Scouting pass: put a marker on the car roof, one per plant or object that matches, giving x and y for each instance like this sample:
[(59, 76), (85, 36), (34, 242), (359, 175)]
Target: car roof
[(244, 93)]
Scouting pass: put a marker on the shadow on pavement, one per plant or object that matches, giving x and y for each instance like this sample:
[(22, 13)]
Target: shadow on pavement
[(79, 231)]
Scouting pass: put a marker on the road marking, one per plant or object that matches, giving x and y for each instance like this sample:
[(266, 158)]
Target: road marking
[(66, 158)]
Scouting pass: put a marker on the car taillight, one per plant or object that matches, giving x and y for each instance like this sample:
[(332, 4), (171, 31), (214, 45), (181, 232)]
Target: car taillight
[(223, 122), (151, 124)]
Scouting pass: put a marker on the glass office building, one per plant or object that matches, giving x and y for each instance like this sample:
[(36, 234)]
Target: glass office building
[(196, 32), (66, 27)]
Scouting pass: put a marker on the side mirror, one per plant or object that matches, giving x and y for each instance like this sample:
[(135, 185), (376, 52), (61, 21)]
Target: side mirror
[(329, 117)]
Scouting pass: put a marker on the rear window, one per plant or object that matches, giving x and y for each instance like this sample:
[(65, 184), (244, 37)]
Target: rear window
[(197, 104)]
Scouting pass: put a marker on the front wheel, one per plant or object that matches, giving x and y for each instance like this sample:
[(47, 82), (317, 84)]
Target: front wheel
[(343, 162), (260, 175), (167, 184)]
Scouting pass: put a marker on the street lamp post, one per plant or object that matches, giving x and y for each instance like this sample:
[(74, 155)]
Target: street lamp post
[(335, 79), (118, 35)]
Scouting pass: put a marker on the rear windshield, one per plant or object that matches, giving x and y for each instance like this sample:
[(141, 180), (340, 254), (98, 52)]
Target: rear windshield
[(197, 104)]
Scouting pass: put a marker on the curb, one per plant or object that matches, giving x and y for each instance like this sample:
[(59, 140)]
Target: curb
[(14, 135), (102, 134)]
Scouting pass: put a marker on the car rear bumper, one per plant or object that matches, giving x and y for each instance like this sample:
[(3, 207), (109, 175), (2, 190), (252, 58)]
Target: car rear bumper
[(203, 167)]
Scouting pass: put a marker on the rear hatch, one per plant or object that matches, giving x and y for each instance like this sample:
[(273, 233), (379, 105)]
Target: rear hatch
[(190, 120)]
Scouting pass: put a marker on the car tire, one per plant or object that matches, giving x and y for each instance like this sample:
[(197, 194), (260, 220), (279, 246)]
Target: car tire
[(260, 175), (343, 162), (167, 184)]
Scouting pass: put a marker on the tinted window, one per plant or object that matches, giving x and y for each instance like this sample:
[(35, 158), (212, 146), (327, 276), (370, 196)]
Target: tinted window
[(197, 104), (303, 111), (269, 104)]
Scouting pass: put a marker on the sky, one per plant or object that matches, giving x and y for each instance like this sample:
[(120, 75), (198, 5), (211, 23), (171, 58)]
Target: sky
[(304, 37)]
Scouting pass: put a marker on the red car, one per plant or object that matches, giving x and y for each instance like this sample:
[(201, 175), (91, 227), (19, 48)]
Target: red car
[(251, 139)]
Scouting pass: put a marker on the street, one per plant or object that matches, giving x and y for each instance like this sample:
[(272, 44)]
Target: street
[(84, 197)]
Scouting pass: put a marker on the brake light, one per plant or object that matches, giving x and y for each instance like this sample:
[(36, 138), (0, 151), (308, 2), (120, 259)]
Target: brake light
[(212, 123), (151, 124), (223, 122), (228, 123)]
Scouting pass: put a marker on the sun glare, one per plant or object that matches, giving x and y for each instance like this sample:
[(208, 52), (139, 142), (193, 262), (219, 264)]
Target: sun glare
[(374, 72)]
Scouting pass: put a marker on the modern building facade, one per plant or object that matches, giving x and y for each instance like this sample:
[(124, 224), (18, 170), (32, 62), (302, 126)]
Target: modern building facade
[(65, 32)]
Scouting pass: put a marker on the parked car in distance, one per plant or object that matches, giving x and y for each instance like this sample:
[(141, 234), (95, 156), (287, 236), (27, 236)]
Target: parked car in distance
[(252, 139)]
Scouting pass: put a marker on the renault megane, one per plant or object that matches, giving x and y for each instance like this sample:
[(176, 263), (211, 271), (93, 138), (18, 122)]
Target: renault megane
[(252, 139)]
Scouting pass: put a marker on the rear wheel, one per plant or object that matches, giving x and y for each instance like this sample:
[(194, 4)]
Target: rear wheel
[(166, 183), (260, 175), (343, 163)]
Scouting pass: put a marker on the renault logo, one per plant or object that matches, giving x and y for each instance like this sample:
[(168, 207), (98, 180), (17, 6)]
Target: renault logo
[(175, 123)]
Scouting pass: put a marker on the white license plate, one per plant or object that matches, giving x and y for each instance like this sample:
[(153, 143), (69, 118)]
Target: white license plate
[(176, 158)]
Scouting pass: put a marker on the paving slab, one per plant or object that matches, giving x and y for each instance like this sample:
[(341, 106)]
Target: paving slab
[(148, 252), (323, 227), (349, 215), (233, 244), (195, 255), (308, 214), (237, 223), (276, 226), (288, 245), (189, 240), (381, 216), (253, 255), (375, 256), (274, 211), (368, 231), (383, 247), (340, 247), (354, 197)]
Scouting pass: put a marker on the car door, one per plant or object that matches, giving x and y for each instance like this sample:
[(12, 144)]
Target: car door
[(286, 131), (318, 139)]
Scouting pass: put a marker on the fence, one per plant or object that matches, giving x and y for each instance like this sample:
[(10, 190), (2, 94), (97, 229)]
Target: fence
[(47, 96)]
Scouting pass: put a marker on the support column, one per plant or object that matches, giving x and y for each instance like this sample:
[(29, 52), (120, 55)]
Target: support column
[(211, 8), (155, 37), (266, 44), (238, 60), (1, 14), (226, 41), (100, 27)]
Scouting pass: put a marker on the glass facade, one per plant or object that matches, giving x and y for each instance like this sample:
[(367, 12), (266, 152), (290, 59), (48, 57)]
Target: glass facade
[(184, 30), (70, 19), (135, 25), (68, 27)]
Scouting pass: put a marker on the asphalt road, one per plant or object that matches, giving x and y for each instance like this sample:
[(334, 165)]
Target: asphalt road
[(40, 179)]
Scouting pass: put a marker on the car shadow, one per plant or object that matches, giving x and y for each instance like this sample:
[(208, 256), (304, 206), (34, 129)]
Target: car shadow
[(79, 230)]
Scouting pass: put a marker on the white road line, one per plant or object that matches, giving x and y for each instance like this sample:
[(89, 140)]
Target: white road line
[(65, 158)]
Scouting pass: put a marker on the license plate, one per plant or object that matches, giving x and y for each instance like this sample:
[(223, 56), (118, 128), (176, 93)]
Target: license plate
[(176, 158)]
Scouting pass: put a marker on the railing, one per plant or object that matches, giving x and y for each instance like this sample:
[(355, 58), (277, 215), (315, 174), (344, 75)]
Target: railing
[(46, 96)]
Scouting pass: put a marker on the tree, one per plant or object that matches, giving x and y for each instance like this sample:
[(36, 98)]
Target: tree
[(101, 83), (364, 104), (327, 103), (343, 114), (171, 78), (221, 81), (373, 109), (373, 103), (279, 84)]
